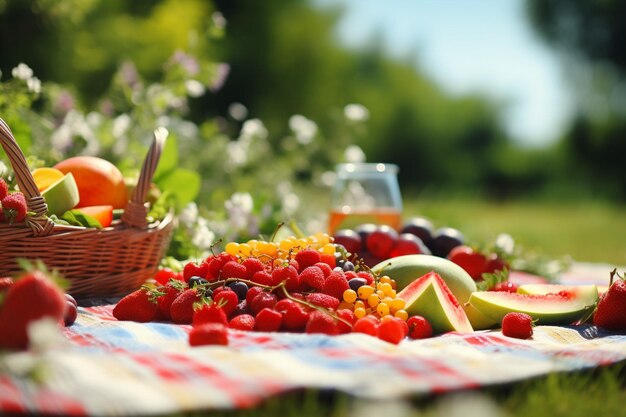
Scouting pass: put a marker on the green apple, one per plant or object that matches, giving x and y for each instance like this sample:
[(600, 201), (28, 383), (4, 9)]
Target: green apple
[(545, 308), (62, 195), (430, 297), (406, 269)]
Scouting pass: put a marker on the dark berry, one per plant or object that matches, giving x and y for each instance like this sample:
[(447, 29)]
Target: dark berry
[(348, 266), (240, 288), (196, 280), (349, 239), (356, 283), (420, 227), (446, 239)]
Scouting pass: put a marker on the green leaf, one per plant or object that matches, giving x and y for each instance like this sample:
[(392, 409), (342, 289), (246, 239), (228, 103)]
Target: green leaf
[(169, 158), (183, 184), (78, 218)]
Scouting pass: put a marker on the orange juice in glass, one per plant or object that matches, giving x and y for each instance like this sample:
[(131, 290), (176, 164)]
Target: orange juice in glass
[(365, 193)]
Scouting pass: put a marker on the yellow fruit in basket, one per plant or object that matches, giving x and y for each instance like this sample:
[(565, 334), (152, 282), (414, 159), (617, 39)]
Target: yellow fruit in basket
[(62, 195), (99, 181), (45, 177)]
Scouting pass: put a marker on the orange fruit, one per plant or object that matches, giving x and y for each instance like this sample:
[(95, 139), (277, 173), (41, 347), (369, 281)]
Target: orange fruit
[(104, 214), (45, 177), (99, 181)]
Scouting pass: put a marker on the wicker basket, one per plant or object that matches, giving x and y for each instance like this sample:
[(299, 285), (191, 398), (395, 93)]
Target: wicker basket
[(107, 262)]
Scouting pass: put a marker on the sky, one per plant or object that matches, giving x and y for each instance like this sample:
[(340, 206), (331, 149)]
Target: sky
[(485, 46)]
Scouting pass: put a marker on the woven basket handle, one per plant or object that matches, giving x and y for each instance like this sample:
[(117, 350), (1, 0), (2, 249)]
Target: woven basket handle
[(38, 222), (137, 209)]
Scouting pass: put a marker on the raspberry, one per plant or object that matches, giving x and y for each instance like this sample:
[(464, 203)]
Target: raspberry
[(391, 330), (261, 301), (227, 299), (313, 276), (242, 322), (4, 188), (233, 269), (209, 313), (268, 320), (288, 274), (419, 327), (518, 325), (252, 265), (306, 258), (335, 285), (209, 334), (295, 316), (326, 269), (14, 207), (323, 300), (320, 322), (366, 325)]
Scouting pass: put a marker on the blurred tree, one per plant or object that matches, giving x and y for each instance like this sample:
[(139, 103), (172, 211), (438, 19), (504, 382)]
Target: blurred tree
[(591, 35)]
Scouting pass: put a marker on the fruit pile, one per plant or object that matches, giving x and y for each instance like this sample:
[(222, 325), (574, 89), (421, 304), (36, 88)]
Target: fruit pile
[(376, 243), (12, 205), (295, 285), (33, 296)]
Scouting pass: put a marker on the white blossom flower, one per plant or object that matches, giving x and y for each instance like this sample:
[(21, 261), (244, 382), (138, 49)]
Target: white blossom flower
[(253, 128), (356, 112), (237, 154), (291, 203), (304, 129), (242, 201), (189, 214), (505, 242), (195, 88), (328, 178), (121, 124), (22, 72), (354, 154), (203, 237), (4, 170), (218, 20), (34, 85), (238, 111)]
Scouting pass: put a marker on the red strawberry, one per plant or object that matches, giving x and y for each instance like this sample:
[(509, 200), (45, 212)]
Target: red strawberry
[(252, 265), (295, 316), (313, 276), (419, 327), (5, 283), (163, 275), (367, 325), (193, 270), (262, 278), (306, 258), (233, 269), (216, 264), (335, 285), (14, 207), (209, 313), (209, 334), (320, 322), (326, 269), (33, 296), (4, 188), (328, 259), (268, 320), (227, 299), (611, 311), (518, 325), (242, 322), (323, 300), (289, 274), (182, 310), (391, 330), (166, 294), (349, 317), (472, 261), (140, 305)]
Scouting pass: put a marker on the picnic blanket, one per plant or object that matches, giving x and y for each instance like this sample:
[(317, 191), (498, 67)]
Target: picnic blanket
[(105, 367)]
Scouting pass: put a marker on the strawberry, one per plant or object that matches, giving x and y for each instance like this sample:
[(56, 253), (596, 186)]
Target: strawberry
[(163, 276), (268, 320), (518, 325), (289, 274), (262, 278), (306, 258), (140, 305), (209, 334), (472, 261), (320, 322), (227, 299), (242, 322), (252, 265), (610, 313), (295, 316), (328, 259), (14, 207), (349, 317), (313, 276), (5, 283), (193, 270), (4, 188), (367, 325), (182, 310), (322, 300), (233, 269), (335, 285), (166, 294), (33, 296), (326, 269), (209, 313)]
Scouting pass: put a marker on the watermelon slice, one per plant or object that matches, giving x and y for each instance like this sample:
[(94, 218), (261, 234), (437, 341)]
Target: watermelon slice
[(560, 308), (430, 297)]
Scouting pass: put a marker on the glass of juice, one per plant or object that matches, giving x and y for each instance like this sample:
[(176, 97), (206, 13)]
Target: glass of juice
[(365, 193)]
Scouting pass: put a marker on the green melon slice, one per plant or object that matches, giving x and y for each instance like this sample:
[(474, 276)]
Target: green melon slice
[(62, 195), (589, 292), (430, 297), (545, 308)]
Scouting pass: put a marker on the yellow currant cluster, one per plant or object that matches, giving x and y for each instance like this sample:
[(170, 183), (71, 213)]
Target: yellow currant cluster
[(379, 298), (283, 249)]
